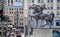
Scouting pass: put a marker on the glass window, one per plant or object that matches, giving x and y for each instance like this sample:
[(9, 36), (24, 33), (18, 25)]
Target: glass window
[(10, 12), (57, 7), (57, 22), (38, 1), (10, 8), (48, 0), (15, 23), (22, 23), (32, 1), (51, 0), (22, 19), (8, 1), (17, 0), (11, 1), (22, 8), (48, 7), (0, 33), (58, 0), (51, 7), (57, 13), (0, 28), (22, 12), (42, 1)]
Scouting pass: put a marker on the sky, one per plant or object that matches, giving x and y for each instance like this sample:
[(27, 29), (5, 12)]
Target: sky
[(19, 4)]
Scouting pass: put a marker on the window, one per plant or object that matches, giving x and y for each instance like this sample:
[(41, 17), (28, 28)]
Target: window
[(10, 12), (58, 0), (51, 7), (10, 8), (22, 19), (57, 13), (4, 28), (38, 1), (32, 1), (57, 22), (8, 1), (0, 33), (17, 0), (22, 23), (0, 28), (51, 0), (22, 8), (57, 7), (42, 1), (11, 1), (48, 7), (48, 0), (15, 23), (22, 12)]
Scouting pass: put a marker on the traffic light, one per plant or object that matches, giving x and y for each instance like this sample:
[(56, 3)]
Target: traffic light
[(1, 14)]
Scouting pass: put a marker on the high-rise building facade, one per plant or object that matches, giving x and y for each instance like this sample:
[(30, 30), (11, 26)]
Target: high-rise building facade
[(14, 9)]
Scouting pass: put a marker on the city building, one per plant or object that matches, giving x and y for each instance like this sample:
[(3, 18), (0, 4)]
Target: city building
[(51, 5), (15, 10), (18, 11)]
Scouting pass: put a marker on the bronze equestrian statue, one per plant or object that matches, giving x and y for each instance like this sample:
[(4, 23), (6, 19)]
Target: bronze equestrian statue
[(38, 14)]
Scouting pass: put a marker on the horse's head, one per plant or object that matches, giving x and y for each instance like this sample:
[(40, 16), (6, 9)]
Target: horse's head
[(37, 8), (42, 7)]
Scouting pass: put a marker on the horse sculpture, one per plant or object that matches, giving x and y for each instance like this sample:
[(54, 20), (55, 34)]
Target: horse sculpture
[(38, 14)]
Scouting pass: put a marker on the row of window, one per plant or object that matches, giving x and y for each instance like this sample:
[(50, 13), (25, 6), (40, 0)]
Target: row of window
[(12, 1), (20, 19), (43, 1), (53, 7), (20, 24), (57, 12), (16, 9), (9, 1), (13, 12)]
